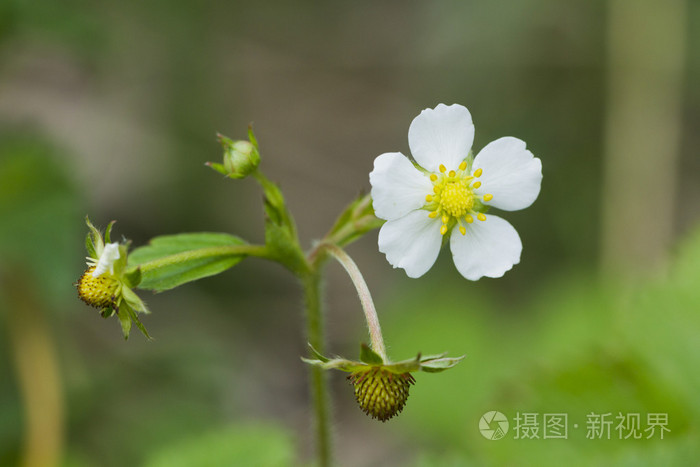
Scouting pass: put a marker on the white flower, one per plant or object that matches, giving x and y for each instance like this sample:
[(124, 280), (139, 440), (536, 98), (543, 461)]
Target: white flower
[(106, 261), (446, 193)]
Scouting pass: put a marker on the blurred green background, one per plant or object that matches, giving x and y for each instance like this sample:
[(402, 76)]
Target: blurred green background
[(111, 110)]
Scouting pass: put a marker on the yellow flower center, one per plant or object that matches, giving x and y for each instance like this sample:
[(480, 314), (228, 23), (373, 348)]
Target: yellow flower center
[(100, 292), (456, 199), (453, 197)]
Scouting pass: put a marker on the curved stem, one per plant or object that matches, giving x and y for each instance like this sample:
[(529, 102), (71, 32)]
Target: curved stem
[(375, 331)]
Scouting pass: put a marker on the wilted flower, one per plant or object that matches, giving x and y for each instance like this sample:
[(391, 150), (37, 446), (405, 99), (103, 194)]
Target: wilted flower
[(105, 284), (447, 190)]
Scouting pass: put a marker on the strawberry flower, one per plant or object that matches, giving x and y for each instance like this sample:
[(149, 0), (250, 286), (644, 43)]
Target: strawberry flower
[(444, 193)]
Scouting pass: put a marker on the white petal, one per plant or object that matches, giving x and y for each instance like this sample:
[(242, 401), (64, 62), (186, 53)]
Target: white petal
[(397, 186), (510, 173), (443, 135), (489, 248), (411, 242), (107, 259)]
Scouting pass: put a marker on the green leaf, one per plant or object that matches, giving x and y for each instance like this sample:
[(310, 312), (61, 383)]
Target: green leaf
[(173, 260), (369, 356)]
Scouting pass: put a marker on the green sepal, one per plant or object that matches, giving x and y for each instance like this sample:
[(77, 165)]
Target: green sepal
[(125, 321), (436, 365), (369, 356), (251, 137), (107, 312), (134, 317), (133, 277), (120, 264), (96, 239), (134, 300), (218, 167), (337, 364), (317, 354), (370, 359), (405, 366), (172, 260), (356, 220), (108, 232), (90, 246)]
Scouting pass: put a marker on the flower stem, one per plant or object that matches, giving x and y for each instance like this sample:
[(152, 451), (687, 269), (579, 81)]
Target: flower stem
[(319, 385), (375, 331)]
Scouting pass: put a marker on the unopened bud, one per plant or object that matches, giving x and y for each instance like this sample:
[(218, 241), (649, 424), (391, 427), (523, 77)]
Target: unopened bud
[(241, 157)]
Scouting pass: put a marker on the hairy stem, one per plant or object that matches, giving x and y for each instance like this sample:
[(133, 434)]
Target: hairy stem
[(375, 331), (319, 385)]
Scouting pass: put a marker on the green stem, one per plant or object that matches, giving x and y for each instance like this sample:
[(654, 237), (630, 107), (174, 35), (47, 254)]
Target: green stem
[(232, 250), (319, 386)]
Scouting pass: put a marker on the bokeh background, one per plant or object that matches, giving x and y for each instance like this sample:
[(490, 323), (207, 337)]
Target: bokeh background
[(111, 109)]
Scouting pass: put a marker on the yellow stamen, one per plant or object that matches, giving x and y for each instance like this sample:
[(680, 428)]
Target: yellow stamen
[(452, 173), (443, 229), (462, 230), (445, 218), (488, 197), (436, 189), (463, 165), (433, 214), (477, 184), (433, 177), (478, 172), (481, 216), (428, 198), (469, 219), (443, 168)]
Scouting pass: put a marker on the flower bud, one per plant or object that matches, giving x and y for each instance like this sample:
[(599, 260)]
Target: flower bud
[(241, 157), (380, 393)]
